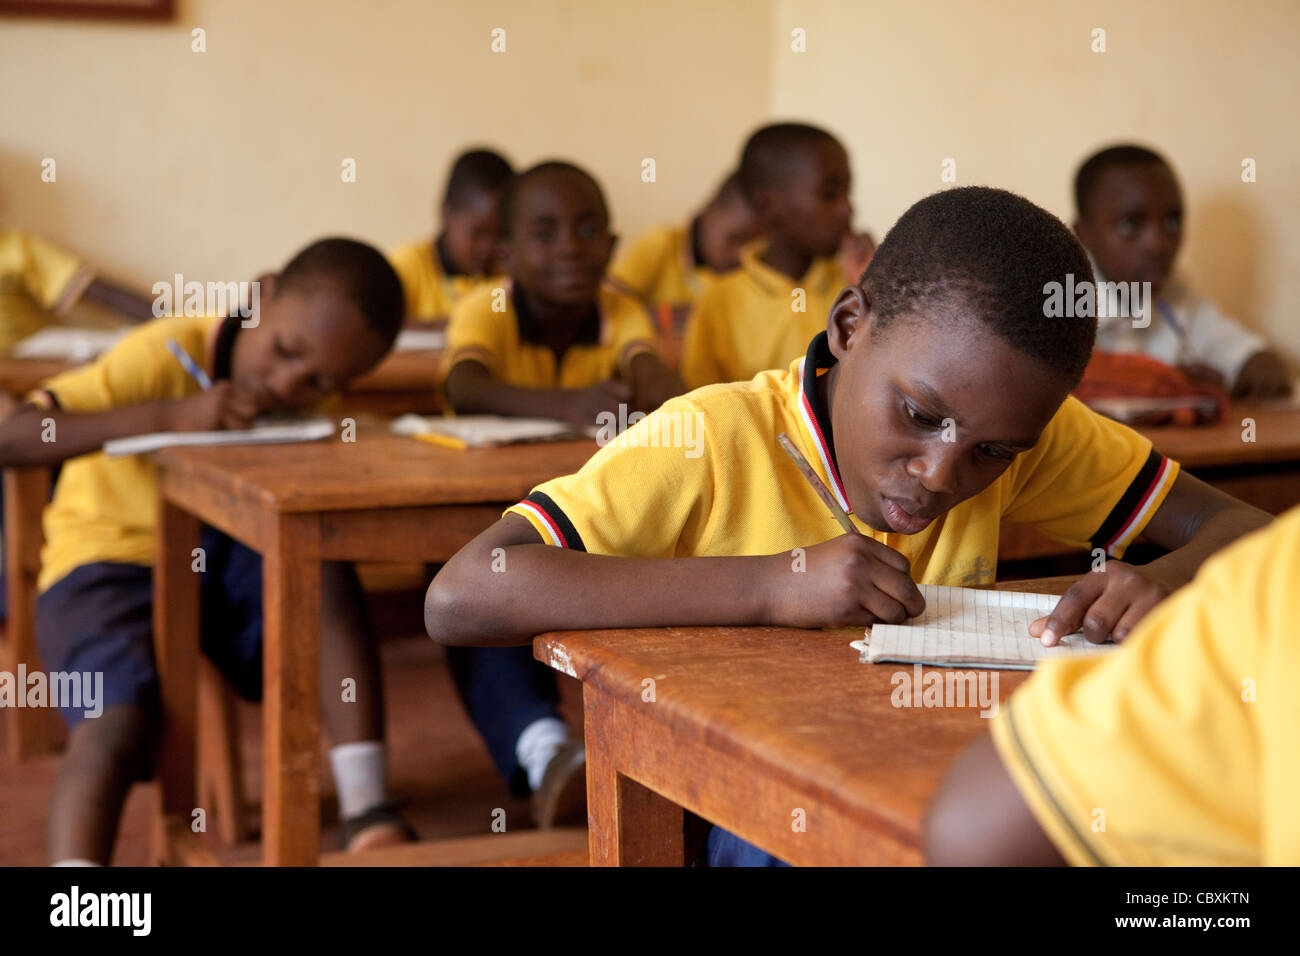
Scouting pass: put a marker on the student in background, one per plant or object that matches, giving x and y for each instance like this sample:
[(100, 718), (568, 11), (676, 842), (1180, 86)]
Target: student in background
[(555, 343), (436, 273), (670, 267), (796, 177), (1130, 217), (40, 281), (1180, 751), (330, 315), (934, 406)]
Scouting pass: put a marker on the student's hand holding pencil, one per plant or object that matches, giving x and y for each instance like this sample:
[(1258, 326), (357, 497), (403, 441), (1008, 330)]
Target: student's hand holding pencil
[(223, 406), (852, 580)]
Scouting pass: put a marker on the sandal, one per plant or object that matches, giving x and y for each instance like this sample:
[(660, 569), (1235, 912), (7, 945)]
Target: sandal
[(382, 824)]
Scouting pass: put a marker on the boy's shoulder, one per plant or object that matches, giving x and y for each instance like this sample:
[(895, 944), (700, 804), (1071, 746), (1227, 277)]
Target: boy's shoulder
[(740, 408)]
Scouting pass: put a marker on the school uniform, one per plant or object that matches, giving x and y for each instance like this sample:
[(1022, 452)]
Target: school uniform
[(1183, 749), (37, 279), (1184, 327), (665, 267), (1089, 482), (755, 319), (94, 611), (504, 689), (509, 342), (431, 285)]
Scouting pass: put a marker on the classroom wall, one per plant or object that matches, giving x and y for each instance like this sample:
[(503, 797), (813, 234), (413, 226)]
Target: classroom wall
[(1013, 92), (220, 164)]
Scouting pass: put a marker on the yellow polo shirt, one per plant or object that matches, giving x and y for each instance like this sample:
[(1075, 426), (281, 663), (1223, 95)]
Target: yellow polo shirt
[(105, 509), (749, 320), (618, 330), (704, 475), (1183, 749), (37, 279), (660, 268), (430, 292)]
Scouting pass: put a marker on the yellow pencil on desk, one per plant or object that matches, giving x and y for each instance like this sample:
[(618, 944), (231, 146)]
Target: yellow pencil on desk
[(446, 441), (818, 485)]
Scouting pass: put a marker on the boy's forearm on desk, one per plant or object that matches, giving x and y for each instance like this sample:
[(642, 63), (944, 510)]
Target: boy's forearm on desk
[(542, 588), (27, 438), (1213, 534)]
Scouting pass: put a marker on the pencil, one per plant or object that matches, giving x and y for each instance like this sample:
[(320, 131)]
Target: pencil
[(189, 364), (818, 486), (446, 441)]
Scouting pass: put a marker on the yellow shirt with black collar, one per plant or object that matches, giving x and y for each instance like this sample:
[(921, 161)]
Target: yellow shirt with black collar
[(506, 343), (1182, 748), (661, 268), (756, 318), (430, 288), (708, 469), (37, 280), (105, 509)]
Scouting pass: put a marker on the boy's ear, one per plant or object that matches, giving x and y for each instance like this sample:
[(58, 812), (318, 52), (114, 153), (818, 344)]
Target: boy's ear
[(613, 247), (849, 320)]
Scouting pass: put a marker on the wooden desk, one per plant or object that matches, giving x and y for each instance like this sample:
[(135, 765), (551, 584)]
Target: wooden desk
[(749, 725), (403, 382), (1264, 473), (383, 498)]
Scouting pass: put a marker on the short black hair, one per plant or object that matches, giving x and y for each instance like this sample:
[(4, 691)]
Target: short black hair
[(1090, 173), (475, 172), (995, 252), (366, 278), (765, 158), (517, 184)]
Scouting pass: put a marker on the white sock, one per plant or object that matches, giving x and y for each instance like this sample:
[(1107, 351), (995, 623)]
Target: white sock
[(538, 744), (359, 776), (76, 861)]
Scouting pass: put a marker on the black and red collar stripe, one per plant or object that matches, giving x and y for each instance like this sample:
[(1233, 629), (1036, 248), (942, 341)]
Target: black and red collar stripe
[(816, 416)]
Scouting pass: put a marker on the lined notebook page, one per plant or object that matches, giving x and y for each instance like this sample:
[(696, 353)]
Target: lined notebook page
[(974, 627), (274, 432)]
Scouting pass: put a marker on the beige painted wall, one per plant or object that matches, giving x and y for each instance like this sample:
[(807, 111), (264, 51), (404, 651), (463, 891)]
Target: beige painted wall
[(220, 164), (1012, 91)]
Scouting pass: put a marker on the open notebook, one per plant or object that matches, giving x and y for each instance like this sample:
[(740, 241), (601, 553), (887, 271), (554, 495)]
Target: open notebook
[(973, 627), (420, 340), (486, 431), (66, 342), (269, 432)]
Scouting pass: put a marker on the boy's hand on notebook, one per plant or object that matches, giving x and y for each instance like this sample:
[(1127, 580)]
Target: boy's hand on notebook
[(223, 406), (1105, 604), (1263, 376), (584, 404), (852, 580)]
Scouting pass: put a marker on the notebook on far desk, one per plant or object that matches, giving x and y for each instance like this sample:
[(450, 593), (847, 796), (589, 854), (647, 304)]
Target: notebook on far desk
[(269, 432)]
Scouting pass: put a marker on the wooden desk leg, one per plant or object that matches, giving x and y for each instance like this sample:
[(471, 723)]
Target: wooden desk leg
[(176, 648), (291, 681), (630, 825), (30, 730)]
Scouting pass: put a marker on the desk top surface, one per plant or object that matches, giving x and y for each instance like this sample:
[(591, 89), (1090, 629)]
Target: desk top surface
[(797, 704), (378, 470)]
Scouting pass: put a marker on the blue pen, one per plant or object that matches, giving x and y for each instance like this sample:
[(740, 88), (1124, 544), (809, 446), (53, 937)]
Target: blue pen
[(189, 364)]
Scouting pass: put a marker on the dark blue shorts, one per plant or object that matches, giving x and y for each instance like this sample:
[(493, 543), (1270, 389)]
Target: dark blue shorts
[(99, 618)]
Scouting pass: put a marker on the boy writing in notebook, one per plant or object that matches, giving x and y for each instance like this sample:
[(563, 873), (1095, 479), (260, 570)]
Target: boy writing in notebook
[(331, 314), (1187, 741), (1130, 218), (436, 273), (796, 177), (555, 343), (934, 406)]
